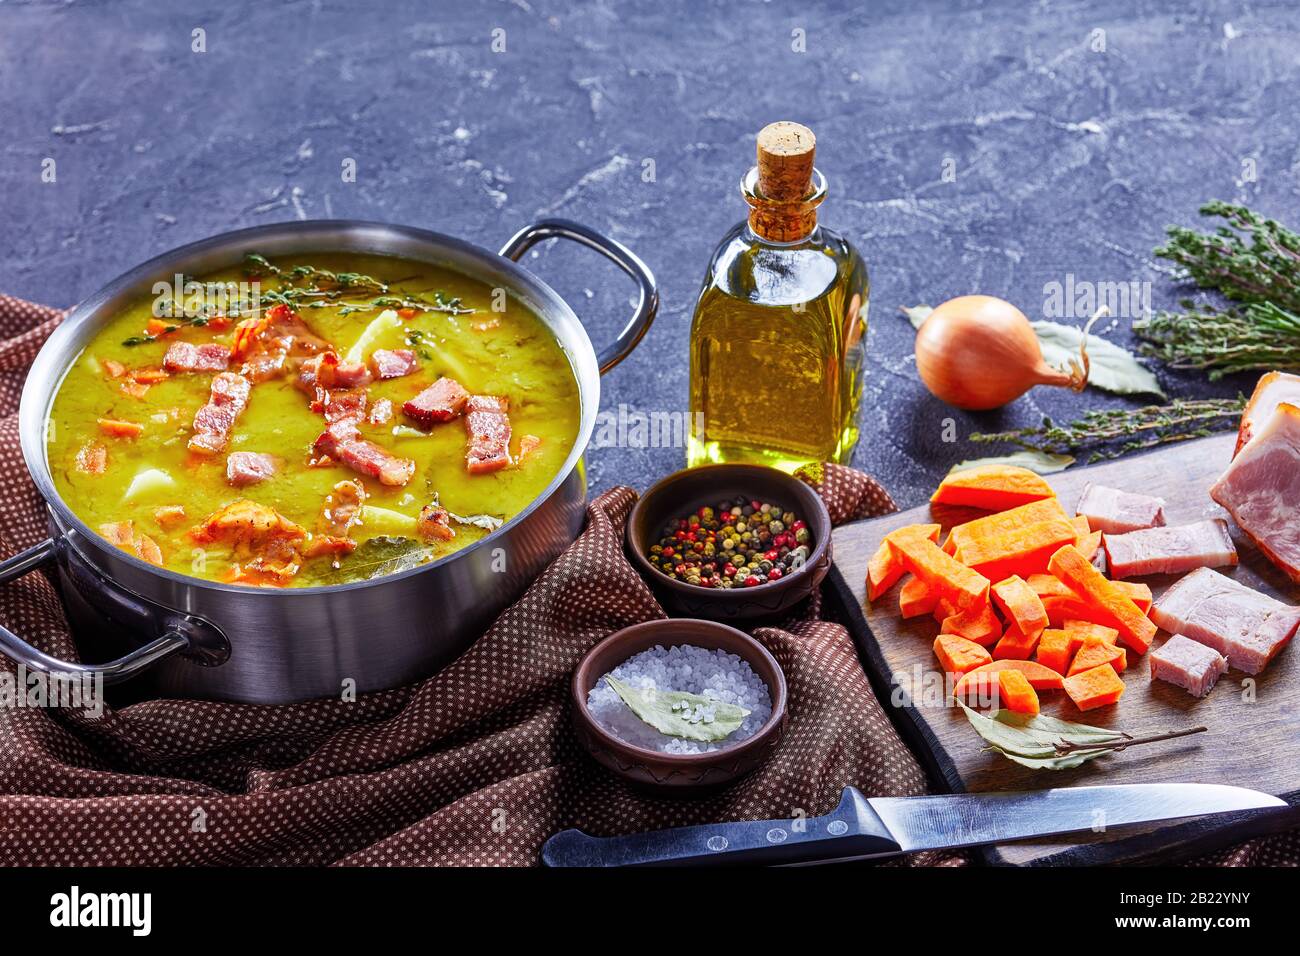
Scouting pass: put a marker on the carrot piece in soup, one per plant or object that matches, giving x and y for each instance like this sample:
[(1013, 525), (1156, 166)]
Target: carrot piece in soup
[(1114, 606), (1094, 688), (977, 623), (958, 655), (169, 516), (120, 429), (915, 599), (993, 487), (1015, 693), (1016, 645), (942, 573), (884, 569), (122, 534), (1017, 600)]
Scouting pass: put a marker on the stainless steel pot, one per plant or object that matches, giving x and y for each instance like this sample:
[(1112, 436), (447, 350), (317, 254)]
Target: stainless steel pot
[(203, 639)]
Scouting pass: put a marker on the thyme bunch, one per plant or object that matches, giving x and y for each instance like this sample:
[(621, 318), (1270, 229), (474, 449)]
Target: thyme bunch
[(1114, 432), (1254, 262)]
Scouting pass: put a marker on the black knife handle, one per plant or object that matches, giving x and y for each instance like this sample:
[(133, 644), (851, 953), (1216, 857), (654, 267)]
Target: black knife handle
[(852, 831)]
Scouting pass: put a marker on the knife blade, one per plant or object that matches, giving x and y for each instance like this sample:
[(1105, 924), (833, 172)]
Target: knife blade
[(880, 827)]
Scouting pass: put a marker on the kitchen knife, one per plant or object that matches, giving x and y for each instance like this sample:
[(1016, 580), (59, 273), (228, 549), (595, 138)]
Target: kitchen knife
[(863, 828)]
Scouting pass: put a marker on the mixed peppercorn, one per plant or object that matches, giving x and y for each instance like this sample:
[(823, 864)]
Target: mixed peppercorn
[(740, 543)]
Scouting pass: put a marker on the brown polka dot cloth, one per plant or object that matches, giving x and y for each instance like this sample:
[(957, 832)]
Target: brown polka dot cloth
[(473, 766)]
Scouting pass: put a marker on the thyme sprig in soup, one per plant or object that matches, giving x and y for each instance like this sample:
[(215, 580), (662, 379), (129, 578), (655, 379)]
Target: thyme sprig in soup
[(329, 421)]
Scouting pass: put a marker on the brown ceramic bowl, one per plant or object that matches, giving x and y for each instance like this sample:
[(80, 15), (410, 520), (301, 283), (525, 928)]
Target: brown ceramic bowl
[(676, 771), (685, 491)]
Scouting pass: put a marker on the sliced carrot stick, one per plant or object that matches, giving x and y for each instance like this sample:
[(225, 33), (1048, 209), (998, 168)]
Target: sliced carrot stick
[(1113, 605), (1017, 600), (977, 623), (1094, 652), (1015, 693), (1023, 551), (980, 679), (1016, 645), (1138, 592), (915, 599), (884, 570), (1094, 688), (120, 429), (943, 574), (958, 655), (1056, 648), (1004, 521), (1081, 526), (1049, 585), (993, 487)]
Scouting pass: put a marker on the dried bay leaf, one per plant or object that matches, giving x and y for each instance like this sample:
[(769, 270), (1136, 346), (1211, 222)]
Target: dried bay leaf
[(1031, 740), (1111, 368), (655, 708)]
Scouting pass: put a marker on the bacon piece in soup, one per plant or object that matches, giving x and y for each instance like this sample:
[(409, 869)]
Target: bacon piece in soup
[(187, 357), (440, 402), (434, 523), (245, 468), (214, 422), (343, 443), (393, 363), (488, 428)]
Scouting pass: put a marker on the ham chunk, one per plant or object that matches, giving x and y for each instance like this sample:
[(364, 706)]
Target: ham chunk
[(393, 363), (343, 443), (1245, 626), (245, 468), (1115, 512), (1272, 390), (214, 422), (267, 546), (1170, 550), (327, 370), (341, 511), (185, 357), (122, 534), (434, 524), (488, 428), (1188, 664), (1261, 489), (271, 343), (340, 405), (440, 402)]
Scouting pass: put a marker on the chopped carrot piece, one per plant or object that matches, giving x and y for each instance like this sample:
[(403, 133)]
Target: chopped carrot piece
[(915, 599), (884, 569), (1081, 526), (1138, 592), (1056, 648), (1003, 522), (134, 389), (993, 487), (1015, 693), (1048, 585), (1088, 544), (1083, 629), (122, 534), (114, 368), (981, 678), (1115, 608), (977, 623), (1093, 652), (149, 376), (120, 429), (527, 445), (1016, 645), (1023, 551), (942, 573), (1094, 688), (958, 655), (1017, 600)]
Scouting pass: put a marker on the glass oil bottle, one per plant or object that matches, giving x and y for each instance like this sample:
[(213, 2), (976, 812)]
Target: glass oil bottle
[(780, 325)]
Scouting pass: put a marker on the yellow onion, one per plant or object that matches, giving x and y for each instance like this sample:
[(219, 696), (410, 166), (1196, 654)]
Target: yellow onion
[(979, 351)]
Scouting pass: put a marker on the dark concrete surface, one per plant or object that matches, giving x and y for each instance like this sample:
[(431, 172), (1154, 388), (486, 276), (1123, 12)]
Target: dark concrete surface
[(1068, 159)]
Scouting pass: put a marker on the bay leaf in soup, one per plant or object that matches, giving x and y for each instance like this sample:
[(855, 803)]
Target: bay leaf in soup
[(376, 557), (668, 711)]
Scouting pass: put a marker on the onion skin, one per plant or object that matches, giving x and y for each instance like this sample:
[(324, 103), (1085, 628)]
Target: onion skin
[(977, 352)]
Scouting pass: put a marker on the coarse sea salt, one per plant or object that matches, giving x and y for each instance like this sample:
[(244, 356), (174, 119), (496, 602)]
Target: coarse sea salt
[(695, 670)]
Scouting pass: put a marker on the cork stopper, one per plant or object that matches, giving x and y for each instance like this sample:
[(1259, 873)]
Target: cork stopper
[(785, 161), (784, 189)]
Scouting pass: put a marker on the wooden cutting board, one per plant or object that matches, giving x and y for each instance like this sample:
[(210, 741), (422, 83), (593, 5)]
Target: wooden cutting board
[(1254, 724)]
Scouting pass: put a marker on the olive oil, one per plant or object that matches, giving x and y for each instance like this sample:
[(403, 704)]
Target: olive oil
[(780, 325)]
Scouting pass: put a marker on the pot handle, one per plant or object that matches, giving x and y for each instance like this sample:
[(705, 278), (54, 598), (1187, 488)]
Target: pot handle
[(14, 647), (648, 302)]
